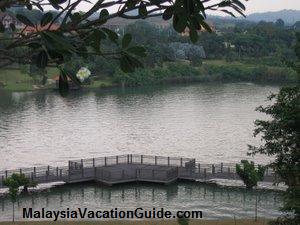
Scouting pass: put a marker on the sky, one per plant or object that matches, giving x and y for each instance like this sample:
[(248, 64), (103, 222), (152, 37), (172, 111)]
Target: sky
[(252, 6)]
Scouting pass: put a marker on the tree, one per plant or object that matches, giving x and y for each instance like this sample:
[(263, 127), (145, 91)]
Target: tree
[(281, 137), (83, 33), (14, 182), (279, 23), (249, 174)]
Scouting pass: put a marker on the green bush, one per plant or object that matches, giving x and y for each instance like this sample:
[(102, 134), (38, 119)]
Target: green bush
[(249, 174), (183, 221)]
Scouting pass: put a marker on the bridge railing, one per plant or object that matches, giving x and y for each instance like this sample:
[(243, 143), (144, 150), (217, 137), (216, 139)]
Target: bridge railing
[(130, 159)]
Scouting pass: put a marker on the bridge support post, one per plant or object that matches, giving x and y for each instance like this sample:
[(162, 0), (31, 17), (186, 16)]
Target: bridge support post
[(127, 158), (142, 159), (213, 168), (131, 158), (57, 171), (93, 162), (168, 161), (105, 161), (82, 171), (228, 170), (117, 160), (5, 174), (221, 167), (181, 162), (155, 160), (20, 171), (199, 168), (34, 171)]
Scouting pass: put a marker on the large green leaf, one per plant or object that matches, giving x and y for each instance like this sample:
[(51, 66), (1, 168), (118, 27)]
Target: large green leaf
[(103, 16), (42, 59), (205, 26), (113, 36), (47, 18), (239, 4), (168, 13), (138, 51), (25, 20), (179, 22), (126, 40), (143, 10), (193, 35)]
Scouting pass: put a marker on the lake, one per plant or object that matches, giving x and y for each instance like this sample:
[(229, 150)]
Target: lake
[(215, 202), (210, 122)]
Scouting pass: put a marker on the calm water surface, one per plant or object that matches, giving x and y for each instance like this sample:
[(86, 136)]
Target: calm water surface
[(216, 203), (211, 122)]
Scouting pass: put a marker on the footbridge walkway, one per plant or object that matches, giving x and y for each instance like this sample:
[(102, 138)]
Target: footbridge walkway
[(131, 168)]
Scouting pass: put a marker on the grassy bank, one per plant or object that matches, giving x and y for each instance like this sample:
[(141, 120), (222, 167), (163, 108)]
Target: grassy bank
[(210, 71), (16, 80), (146, 222), (172, 72)]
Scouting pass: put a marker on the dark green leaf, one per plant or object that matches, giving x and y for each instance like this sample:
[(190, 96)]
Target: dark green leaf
[(137, 50), (29, 6), (238, 10), (104, 14), (59, 41), (179, 22), (63, 84), (228, 12), (239, 4), (25, 20), (193, 35), (42, 59), (126, 40), (126, 65), (47, 18), (75, 17), (113, 36), (2, 28), (168, 13), (34, 45), (143, 10), (205, 26)]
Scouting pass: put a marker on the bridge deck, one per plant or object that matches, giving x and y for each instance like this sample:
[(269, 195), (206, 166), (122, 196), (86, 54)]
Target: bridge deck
[(130, 168)]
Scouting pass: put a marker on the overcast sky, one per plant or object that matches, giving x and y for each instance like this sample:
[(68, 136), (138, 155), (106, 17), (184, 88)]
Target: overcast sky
[(271, 5), (251, 5)]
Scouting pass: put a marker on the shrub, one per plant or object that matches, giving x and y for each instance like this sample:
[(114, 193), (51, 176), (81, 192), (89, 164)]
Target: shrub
[(249, 174)]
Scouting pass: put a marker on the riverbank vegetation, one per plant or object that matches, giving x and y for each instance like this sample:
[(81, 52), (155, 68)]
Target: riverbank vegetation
[(247, 52), (145, 222)]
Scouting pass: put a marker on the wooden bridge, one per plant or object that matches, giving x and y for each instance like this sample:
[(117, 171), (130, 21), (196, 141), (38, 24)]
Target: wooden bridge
[(131, 168)]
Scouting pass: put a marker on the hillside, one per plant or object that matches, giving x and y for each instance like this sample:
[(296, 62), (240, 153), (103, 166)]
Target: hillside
[(288, 16)]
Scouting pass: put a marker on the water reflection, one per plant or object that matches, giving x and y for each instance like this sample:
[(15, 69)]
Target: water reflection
[(214, 201)]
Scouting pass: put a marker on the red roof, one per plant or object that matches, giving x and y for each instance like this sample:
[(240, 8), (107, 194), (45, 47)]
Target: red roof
[(38, 28)]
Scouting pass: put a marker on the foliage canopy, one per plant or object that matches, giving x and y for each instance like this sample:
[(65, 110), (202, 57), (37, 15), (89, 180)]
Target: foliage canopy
[(83, 34)]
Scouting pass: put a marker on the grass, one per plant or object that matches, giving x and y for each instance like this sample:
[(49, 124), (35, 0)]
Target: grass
[(144, 222), (15, 80)]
